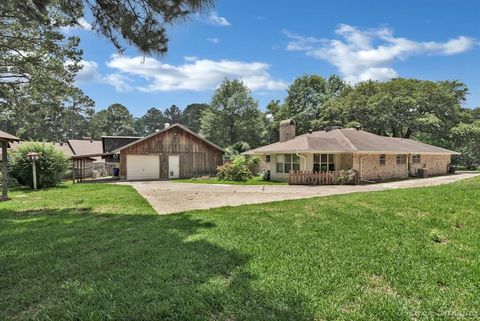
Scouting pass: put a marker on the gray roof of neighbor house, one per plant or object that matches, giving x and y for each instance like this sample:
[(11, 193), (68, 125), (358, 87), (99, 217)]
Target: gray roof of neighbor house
[(349, 140), (63, 147), (85, 146), (74, 147), (168, 128)]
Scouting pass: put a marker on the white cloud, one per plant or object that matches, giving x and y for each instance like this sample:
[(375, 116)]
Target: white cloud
[(216, 20), (190, 58), (213, 40), (84, 24), (194, 75), (90, 74), (368, 54), (118, 81), (300, 43), (81, 24)]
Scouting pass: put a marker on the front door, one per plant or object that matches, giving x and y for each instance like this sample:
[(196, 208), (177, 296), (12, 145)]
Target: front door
[(173, 166)]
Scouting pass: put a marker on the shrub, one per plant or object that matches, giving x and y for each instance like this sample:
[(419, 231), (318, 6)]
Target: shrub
[(253, 164), (344, 177), (236, 170), (12, 181), (266, 175), (51, 165), (236, 149)]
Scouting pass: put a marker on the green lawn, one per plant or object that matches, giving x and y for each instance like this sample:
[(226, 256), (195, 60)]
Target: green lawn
[(98, 252), (213, 180)]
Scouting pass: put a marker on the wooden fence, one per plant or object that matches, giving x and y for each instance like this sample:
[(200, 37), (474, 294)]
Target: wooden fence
[(340, 177)]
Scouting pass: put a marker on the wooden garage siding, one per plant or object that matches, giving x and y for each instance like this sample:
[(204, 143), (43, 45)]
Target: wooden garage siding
[(197, 158)]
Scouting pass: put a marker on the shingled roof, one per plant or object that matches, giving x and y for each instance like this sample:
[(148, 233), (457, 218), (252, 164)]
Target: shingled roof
[(349, 140), (176, 125), (8, 137)]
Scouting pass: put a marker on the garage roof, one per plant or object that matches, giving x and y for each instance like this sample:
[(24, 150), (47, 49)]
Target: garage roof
[(164, 130)]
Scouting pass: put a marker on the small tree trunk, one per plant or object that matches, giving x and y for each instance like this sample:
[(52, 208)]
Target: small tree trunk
[(408, 133)]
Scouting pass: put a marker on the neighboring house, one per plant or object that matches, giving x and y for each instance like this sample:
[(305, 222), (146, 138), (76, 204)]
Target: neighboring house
[(173, 152), (374, 157), (86, 146), (111, 143), (73, 147)]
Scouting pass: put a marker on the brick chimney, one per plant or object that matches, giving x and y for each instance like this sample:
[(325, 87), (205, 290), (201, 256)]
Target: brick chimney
[(287, 130)]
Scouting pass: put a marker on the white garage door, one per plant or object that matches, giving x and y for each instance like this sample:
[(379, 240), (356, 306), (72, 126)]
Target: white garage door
[(141, 167)]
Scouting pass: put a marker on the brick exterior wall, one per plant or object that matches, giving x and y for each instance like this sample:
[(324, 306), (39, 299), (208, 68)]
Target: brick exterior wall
[(371, 168), (263, 166), (435, 164), (344, 161)]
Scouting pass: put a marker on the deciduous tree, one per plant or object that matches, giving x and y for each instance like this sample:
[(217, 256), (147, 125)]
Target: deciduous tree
[(192, 115), (306, 96), (116, 120), (233, 116)]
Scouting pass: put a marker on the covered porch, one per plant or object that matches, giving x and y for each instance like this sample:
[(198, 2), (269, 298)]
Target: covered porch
[(280, 165), (5, 140), (83, 166)]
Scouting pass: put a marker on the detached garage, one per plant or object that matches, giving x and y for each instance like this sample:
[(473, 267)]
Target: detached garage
[(174, 152)]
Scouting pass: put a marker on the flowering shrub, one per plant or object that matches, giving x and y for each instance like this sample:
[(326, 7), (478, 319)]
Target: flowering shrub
[(345, 177), (239, 169)]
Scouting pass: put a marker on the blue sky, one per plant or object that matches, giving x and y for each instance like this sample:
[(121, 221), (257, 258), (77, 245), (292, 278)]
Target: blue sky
[(269, 43)]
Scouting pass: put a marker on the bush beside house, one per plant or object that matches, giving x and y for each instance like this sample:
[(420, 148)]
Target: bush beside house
[(241, 168), (51, 165)]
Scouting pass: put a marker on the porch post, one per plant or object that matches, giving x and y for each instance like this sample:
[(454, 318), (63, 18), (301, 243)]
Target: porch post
[(73, 170), (4, 170)]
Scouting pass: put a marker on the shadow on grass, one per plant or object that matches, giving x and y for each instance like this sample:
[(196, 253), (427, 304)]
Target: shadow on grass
[(74, 264), (29, 189)]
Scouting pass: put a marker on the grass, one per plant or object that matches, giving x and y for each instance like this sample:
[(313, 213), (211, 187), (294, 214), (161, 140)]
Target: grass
[(213, 180), (98, 252)]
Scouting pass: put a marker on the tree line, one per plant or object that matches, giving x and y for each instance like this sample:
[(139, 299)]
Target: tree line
[(424, 110), (40, 101), (39, 61)]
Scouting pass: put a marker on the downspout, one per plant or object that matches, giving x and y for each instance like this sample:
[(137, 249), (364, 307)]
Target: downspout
[(409, 165), (301, 156), (361, 167)]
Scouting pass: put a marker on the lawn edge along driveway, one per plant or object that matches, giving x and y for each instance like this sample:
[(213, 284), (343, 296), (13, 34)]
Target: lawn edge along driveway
[(168, 197)]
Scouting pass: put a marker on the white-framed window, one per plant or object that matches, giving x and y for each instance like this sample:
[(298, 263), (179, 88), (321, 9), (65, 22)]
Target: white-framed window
[(287, 162), (416, 159), (382, 159), (267, 158), (401, 159), (323, 162)]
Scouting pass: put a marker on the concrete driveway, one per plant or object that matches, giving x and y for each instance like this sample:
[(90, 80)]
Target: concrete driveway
[(170, 197)]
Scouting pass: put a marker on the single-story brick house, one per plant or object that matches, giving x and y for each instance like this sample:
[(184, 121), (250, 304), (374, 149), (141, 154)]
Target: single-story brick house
[(374, 157), (173, 152)]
